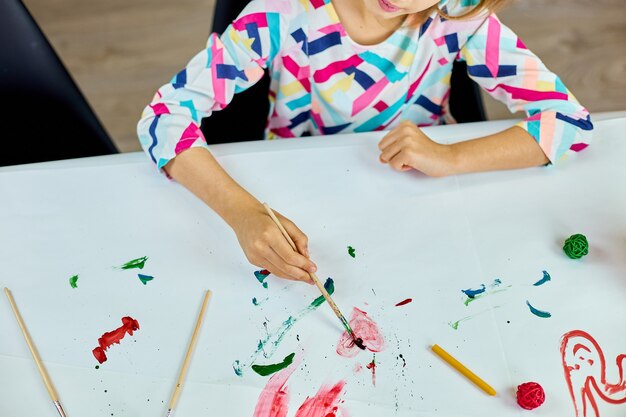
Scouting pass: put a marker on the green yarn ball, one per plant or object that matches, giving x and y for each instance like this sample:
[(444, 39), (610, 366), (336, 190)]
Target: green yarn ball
[(576, 246)]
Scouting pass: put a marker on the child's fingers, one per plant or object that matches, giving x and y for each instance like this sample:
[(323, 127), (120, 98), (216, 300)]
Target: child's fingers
[(299, 238), (391, 151), (283, 260), (400, 162), (276, 270), (293, 258), (389, 138)]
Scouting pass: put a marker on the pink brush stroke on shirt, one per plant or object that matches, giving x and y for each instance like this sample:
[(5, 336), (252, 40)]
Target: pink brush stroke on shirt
[(365, 328)]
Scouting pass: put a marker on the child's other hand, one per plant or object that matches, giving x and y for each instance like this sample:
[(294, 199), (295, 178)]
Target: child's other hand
[(266, 247), (406, 147)]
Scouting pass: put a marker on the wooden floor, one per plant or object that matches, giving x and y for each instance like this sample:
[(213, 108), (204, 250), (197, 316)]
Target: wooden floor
[(120, 51)]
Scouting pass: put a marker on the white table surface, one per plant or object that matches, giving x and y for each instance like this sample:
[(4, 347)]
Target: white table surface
[(414, 236)]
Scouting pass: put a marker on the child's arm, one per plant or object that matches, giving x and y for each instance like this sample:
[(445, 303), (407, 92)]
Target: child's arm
[(260, 239), (407, 147), (556, 124), (169, 132)]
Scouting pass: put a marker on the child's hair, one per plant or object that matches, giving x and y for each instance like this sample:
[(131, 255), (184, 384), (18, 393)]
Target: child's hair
[(490, 6)]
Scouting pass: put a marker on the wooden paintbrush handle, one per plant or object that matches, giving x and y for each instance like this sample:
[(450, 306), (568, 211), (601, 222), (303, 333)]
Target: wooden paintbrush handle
[(314, 277)]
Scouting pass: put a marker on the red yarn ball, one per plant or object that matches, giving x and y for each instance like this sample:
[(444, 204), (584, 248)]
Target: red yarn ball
[(530, 395)]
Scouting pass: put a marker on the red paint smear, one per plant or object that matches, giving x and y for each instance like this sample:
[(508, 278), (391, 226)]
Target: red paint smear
[(407, 301), (274, 400), (585, 373), (365, 328), (372, 366), (129, 325), (324, 404)]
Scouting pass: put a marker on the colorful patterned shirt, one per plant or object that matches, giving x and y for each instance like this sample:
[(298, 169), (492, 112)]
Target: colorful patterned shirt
[(323, 82)]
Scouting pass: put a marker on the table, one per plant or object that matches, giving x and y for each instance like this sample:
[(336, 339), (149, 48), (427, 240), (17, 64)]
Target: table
[(419, 238)]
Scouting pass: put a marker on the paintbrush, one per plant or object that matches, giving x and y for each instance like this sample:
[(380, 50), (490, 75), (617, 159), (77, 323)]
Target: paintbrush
[(31, 346), (190, 348), (357, 340)]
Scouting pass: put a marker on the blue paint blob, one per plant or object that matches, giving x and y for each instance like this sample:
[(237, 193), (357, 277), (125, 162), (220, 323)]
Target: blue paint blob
[(546, 278), (473, 293), (538, 313)]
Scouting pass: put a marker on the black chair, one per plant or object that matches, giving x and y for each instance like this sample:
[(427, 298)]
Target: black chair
[(466, 103), (42, 104)]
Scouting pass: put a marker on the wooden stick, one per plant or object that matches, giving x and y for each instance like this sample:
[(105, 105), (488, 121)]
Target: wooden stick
[(31, 346), (190, 348), (331, 303), (463, 369)]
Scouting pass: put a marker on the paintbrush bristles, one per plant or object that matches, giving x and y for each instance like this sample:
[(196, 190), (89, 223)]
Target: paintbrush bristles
[(316, 280)]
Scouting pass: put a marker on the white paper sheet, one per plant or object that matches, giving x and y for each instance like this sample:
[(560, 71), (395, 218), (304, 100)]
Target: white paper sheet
[(414, 236)]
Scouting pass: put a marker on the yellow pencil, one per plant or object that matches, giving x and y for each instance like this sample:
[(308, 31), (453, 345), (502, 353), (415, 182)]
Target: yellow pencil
[(462, 369)]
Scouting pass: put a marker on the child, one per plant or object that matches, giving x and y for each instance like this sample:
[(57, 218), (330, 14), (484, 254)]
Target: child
[(357, 66)]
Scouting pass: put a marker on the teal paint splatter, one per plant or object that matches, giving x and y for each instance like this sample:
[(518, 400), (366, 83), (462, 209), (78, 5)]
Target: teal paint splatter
[(351, 251), (473, 293), (135, 263), (265, 370), (254, 301), (480, 293), (546, 278), (145, 278), (237, 368), (538, 313), (268, 345), (261, 275), (73, 281)]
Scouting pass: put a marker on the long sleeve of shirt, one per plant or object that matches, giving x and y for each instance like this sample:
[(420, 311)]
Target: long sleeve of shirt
[(323, 82), (229, 64), (502, 65)]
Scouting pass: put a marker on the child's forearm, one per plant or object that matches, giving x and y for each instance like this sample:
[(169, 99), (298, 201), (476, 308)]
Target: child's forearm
[(198, 171), (509, 149)]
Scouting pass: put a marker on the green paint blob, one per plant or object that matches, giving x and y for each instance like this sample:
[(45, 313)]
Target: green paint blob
[(271, 341), (265, 370), (73, 281), (97, 366), (351, 251), (145, 278), (255, 302), (330, 287), (135, 263)]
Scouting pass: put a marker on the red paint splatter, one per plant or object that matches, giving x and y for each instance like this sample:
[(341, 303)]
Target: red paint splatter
[(129, 325), (585, 372), (274, 400), (372, 367), (365, 328), (403, 302), (357, 368), (325, 403)]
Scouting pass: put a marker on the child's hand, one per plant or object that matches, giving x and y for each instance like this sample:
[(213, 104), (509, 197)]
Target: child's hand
[(406, 148), (266, 247)]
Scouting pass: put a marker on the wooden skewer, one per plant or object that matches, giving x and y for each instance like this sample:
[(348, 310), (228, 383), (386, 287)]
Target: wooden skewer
[(357, 341), (190, 348), (31, 346)]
